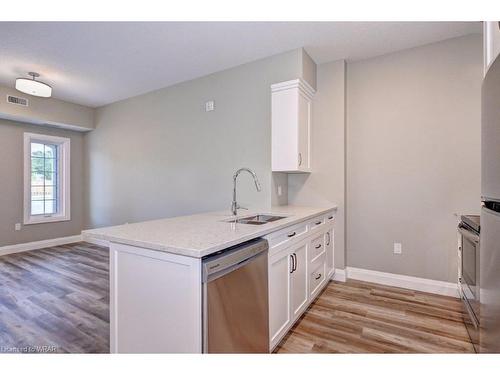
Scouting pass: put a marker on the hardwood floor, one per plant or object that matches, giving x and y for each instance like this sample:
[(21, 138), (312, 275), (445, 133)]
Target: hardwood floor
[(55, 300), (360, 317)]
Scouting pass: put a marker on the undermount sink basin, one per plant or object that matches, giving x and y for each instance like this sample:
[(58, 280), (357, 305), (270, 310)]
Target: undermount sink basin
[(256, 219)]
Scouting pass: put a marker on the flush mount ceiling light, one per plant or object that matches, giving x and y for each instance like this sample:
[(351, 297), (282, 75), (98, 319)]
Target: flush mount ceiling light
[(33, 87)]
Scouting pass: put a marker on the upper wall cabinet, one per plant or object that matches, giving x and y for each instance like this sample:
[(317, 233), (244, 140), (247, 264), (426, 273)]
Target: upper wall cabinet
[(491, 37), (291, 126)]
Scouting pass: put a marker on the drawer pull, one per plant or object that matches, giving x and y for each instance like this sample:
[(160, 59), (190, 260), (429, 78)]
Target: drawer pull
[(317, 247), (330, 217), (318, 223), (319, 277), (292, 234)]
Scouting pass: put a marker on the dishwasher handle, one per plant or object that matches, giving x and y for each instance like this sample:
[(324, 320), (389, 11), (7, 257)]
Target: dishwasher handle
[(231, 259)]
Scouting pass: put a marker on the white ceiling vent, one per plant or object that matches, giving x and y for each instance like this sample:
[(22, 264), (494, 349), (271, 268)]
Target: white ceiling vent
[(17, 100)]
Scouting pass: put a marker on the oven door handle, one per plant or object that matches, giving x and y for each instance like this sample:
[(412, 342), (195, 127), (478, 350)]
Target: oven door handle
[(468, 234)]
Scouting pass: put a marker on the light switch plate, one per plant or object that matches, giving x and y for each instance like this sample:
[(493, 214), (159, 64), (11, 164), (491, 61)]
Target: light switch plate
[(397, 248), (17, 226), (209, 106)]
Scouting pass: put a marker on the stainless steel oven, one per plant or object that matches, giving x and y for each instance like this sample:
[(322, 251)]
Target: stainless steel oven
[(469, 229)]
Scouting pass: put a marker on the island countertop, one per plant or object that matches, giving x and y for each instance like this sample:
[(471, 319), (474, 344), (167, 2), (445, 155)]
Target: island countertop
[(201, 234)]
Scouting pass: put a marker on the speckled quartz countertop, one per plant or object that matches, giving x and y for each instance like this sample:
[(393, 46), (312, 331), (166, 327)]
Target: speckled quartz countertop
[(202, 234)]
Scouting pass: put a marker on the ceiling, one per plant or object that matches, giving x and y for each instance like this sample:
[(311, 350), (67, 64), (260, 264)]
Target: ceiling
[(94, 64)]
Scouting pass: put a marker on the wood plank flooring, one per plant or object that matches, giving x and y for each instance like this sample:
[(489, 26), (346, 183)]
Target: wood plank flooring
[(55, 300), (360, 317)]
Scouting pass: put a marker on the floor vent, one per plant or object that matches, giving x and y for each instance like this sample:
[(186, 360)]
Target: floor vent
[(17, 100)]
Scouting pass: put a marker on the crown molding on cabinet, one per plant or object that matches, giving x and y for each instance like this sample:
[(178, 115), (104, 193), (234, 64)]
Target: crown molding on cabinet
[(299, 83)]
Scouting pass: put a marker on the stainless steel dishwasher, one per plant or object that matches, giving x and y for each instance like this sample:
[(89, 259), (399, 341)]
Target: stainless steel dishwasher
[(235, 300)]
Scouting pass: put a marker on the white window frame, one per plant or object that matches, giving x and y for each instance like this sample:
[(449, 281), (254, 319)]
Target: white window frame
[(64, 173)]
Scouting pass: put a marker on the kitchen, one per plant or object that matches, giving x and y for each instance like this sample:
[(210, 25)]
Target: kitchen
[(319, 192)]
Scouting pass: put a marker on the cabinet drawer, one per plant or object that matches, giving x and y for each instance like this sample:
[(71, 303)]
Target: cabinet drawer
[(317, 277), (316, 222), (317, 247), (287, 235)]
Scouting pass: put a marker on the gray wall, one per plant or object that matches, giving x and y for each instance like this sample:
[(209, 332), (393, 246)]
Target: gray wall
[(11, 198), (413, 156), (161, 155), (326, 183)]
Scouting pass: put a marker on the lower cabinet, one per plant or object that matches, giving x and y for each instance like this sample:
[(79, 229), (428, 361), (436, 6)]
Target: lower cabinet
[(288, 289), (329, 252), (298, 271), (155, 304), (298, 279), (280, 268)]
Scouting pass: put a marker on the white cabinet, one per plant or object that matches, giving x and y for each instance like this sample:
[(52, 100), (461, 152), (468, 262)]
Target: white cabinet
[(298, 282), (291, 118), (491, 37), (280, 268), (329, 251), (300, 265), (155, 304), (288, 288), (317, 276)]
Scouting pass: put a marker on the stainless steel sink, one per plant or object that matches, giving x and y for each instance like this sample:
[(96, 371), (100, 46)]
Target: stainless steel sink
[(256, 219)]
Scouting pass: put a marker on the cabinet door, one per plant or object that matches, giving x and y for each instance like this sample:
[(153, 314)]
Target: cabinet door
[(329, 248), (284, 134), (304, 136), (279, 295), (299, 288)]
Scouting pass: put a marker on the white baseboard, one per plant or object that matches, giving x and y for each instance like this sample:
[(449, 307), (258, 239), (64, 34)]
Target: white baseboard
[(402, 281), (94, 241), (339, 275), (27, 246)]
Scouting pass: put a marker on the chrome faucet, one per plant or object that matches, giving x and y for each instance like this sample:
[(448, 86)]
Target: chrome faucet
[(235, 205)]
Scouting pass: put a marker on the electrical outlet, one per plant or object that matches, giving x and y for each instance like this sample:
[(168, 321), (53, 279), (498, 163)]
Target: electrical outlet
[(397, 248), (17, 226), (209, 106)]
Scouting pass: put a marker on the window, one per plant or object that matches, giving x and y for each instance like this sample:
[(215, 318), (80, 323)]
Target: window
[(46, 178)]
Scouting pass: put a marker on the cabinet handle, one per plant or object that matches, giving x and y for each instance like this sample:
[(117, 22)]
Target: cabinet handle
[(319, 277), (292, 234), (317, 247), (330, 217), (328, 242), (296, 262), (318, 223), (300, 159), (293, 263)]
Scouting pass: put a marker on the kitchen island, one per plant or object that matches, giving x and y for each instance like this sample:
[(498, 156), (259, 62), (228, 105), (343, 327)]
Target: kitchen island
[(155, 272)]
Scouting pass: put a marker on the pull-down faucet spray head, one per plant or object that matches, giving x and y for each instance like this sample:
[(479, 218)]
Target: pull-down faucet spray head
[(234, 204)]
